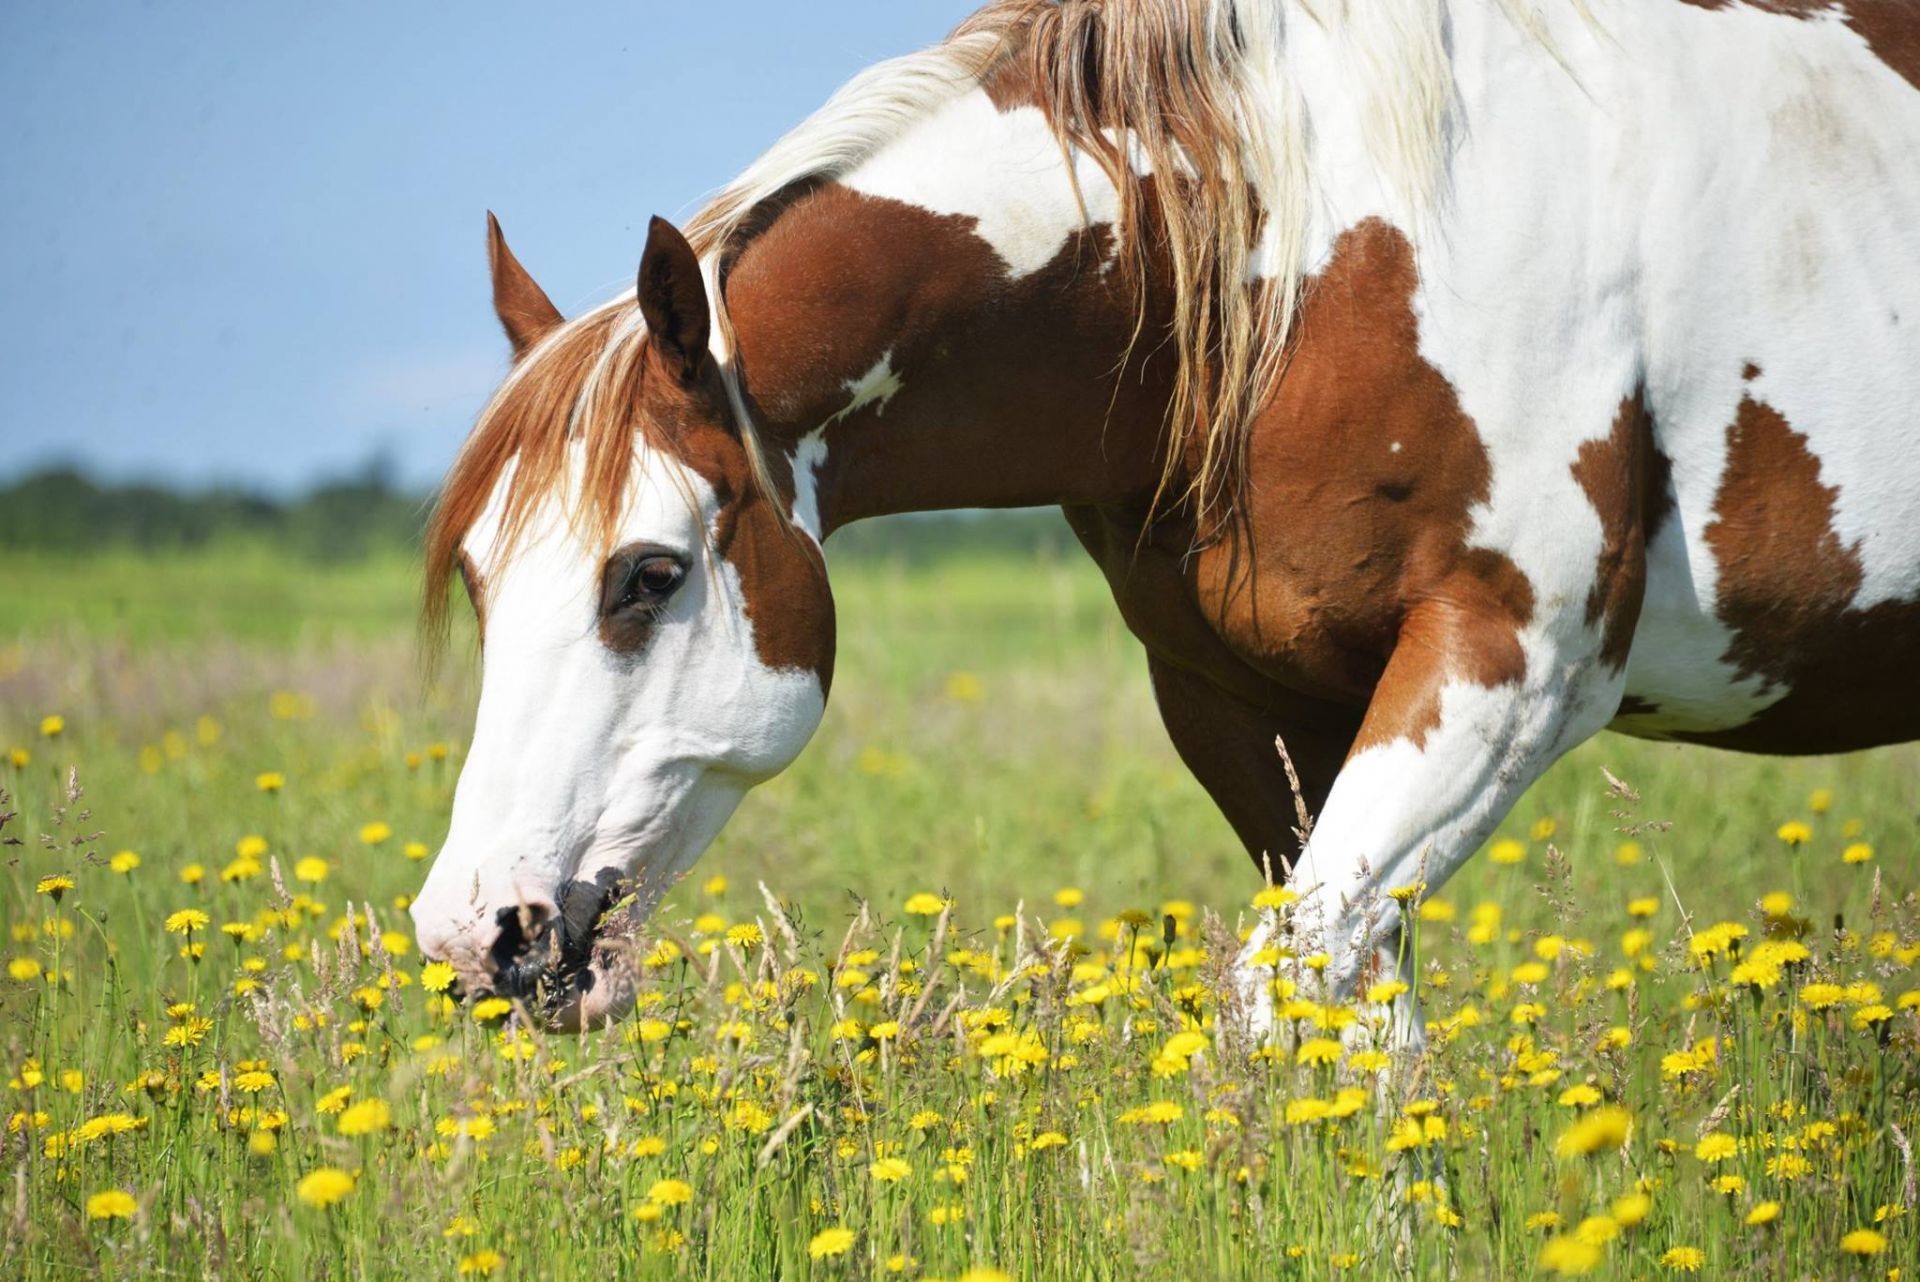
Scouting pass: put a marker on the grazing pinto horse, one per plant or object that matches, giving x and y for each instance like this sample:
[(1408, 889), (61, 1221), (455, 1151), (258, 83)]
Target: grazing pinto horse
[(1437, 382)]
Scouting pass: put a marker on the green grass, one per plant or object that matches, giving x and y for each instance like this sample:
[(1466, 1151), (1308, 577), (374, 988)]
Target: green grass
[(166, 673)]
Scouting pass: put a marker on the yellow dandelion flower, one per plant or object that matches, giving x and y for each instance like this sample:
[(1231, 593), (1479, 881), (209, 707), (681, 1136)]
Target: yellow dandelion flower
[(830, 1242), (925, 904), (1318, 1050), (1598, 1131), (890, 1170), (1716, 1148), (1864, 1242), (1794, 832), (482, 1262), (1857, 853), (186, 921), (965, 687), (1569, 1257), (310, 869), (415, 850), (1383, 993), (323, 1187), (1821, 996), (436, 977), (111, 1204), (374, 833), (52, 727), (1644, 906), (55, 886), (365, 1118), (1763, 1213), (124, 861), (270, 781), (1684, 1259), (1868, 1017), (489, 1009), (670, 1193), (1507, 851)]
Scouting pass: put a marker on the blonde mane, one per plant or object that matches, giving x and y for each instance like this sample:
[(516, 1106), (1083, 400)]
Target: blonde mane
[(1188, 87)]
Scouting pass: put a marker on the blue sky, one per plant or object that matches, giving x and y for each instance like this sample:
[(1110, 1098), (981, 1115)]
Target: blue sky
[(244, 242)]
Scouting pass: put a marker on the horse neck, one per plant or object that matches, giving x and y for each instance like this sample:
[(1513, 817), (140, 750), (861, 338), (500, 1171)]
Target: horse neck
[(944, 328)]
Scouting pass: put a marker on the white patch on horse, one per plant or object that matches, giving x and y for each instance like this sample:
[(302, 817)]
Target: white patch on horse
[(875, 387), (807, 459), (1670, 292), (1001, 169)]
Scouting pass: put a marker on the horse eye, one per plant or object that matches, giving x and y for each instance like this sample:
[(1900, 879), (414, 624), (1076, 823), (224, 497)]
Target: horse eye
[(650, 582), (659, 575)]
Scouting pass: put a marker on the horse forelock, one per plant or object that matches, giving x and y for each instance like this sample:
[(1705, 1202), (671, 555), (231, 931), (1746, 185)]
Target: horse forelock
[(580, 384)]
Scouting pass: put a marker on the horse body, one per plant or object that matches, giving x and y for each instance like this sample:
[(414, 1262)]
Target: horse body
[(1594, 408)]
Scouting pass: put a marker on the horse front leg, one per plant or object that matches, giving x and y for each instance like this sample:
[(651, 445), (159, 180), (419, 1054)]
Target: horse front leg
[(1227, 739), (1471, 708)]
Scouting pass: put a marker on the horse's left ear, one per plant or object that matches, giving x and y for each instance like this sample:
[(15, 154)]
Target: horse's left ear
[(673, 298), (524, 309)]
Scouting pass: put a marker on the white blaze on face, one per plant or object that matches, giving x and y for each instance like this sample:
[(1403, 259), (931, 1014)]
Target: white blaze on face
[(585, 759)]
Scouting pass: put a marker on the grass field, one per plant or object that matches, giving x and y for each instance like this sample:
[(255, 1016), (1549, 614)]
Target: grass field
[(984, 1033)]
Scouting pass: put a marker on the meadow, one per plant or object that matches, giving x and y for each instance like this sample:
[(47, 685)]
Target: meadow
[(947, 1000)]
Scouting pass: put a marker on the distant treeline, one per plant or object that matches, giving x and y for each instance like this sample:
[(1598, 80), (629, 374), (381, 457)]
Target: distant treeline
[(63, 510)]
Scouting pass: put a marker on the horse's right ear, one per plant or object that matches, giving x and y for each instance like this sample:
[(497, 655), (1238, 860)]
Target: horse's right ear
[(524, 309), (673, 298)]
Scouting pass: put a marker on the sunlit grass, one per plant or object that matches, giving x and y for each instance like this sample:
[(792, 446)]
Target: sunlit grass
[(978, 1023)]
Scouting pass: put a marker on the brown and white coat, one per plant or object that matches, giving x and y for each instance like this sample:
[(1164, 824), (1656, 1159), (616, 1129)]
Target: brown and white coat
[(1596, 342)]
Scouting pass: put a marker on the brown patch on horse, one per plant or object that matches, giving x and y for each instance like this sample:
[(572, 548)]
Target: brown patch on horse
[(1617, 473), (1632, 705), (1786, 584), (1891, 28), (1220, 713), (1349, 576), (783, 578), (841, 278), (524, 309)]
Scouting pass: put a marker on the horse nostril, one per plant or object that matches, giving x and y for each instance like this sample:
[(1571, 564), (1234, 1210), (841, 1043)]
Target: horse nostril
[(519, 951)]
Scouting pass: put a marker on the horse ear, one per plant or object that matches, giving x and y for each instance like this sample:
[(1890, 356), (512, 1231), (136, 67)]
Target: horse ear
[(673, 297), (524, 309)]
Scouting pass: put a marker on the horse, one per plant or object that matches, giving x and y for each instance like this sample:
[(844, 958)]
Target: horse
[(1436, 383)]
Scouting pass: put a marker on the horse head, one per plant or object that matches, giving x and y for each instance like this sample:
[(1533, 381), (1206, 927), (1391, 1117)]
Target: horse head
[(656, 635)]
